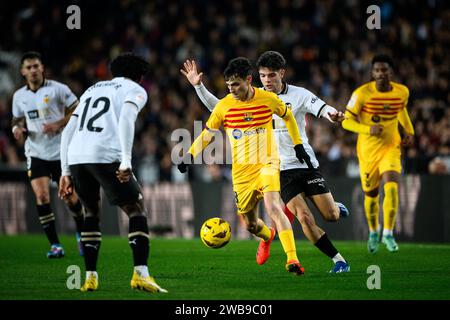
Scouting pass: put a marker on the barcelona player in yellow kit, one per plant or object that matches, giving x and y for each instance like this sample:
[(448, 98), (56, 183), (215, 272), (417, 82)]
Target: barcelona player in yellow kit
[(374, 112), (246, 114)]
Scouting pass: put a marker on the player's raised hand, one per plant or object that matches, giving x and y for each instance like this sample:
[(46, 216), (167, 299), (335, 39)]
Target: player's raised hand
[(191, 73), (65, 187), (376, 130), (337, 116)]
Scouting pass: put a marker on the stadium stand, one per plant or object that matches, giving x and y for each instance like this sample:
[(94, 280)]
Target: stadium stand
[(325, 43)]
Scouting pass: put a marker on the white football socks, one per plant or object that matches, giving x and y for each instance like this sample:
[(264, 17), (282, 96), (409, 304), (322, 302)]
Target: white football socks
[(338, 257), (142, 271)]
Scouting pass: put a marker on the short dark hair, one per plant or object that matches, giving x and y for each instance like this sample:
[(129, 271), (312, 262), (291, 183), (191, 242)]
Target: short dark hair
[(30, 55), (238, 67), (272, 60), (130, 66), (384, 58)]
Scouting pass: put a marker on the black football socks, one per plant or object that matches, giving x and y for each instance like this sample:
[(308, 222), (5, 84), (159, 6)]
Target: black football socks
[(47, 220), (91, 237), (138, 238)]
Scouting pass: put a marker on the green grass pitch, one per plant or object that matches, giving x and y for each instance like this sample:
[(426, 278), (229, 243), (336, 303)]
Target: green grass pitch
[(190, 271)]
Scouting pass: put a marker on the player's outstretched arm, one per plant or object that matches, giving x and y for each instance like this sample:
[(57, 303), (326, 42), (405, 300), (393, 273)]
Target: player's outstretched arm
[(331, 114), (335, 116), (197, 147), (65, 182), (407, 125), (351, 124), (294, 133), (195, 79), (191, 73), (319, 108), (55, 127), (212, 126), (127, 120), (18, 128), (65, 187)]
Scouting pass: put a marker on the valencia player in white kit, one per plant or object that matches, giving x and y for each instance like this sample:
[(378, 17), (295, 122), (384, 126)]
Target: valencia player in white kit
[(96, 152), (40, 111)]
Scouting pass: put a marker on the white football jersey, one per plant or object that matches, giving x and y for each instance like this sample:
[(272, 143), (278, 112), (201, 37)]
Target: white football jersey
[(300, 101), (96, 137), (48, 104)]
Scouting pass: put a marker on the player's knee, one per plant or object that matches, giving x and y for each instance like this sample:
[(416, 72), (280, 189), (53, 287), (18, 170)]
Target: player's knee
[(92, 209), (134, 209), (372, 193), (332, 214), (42, 197)]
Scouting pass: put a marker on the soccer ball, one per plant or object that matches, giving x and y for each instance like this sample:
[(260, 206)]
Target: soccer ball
[(215, 233)]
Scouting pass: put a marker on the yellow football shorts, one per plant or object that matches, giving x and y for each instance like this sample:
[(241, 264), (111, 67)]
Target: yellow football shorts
[(247, 195), (370, 170)]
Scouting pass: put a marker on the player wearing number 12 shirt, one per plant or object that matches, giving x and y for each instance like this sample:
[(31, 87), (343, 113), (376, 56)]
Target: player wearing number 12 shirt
[(96, 151)]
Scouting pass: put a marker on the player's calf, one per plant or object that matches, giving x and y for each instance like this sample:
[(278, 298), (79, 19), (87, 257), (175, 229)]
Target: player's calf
[(138, 239), (47, 220), (91, 237), (289, 214), (78, 216)]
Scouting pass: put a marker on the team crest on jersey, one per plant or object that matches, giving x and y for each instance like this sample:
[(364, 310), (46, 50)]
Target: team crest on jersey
[(237, 134), (248, 116), (376, 118), (46, 98)]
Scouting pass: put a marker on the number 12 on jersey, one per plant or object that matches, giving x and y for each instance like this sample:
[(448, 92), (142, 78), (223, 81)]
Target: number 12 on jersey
[(90, 124)]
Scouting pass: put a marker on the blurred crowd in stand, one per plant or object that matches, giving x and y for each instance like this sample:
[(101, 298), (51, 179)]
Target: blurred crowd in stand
[(327, 45)]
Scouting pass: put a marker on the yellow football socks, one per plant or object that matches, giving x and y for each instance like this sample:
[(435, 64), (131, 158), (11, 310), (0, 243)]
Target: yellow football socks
[(264, 233), (288, 243), (372, 207), (390, 205)]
